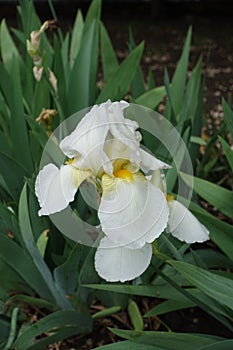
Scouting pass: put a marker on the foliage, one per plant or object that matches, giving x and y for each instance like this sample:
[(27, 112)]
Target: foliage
[(39, 267)]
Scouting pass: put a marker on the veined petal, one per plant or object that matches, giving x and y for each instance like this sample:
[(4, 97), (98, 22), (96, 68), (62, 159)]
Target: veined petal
[(150, 162), (125, 130), (158, 179), (183, 225), (132, 211), (87, 141), (56, 188), (116, 263)]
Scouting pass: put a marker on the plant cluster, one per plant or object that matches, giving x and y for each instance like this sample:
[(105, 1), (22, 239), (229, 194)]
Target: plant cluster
[(46, 76)]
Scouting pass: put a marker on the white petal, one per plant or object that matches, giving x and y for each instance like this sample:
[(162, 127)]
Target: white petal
[(56, 188), (184, 225), (158, 180), (87, 141), (132, 212), (114, 263), (125, 130), (150, 162)]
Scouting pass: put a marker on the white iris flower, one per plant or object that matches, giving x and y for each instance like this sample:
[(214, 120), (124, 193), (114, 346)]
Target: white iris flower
[(133, 210)]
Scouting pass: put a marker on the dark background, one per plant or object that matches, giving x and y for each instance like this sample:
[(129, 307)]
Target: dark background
[(132, 8), (163, 26)]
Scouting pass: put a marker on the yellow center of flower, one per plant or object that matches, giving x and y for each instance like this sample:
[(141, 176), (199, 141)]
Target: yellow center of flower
[(169, 197), (69, 161), (124, 174)]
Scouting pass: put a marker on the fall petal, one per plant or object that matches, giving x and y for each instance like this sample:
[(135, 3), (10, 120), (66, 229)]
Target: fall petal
[(183, 225), (132, 212), (117, 263), (56, 188)]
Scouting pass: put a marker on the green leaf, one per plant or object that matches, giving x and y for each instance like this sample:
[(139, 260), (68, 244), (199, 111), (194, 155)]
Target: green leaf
[(94, 11), (118, 86), (198, 140), (61, 70), (108, 56), (30, 20), (76, 37), (41, 97), (218, 196), (8, 48), (158, 291), (88, 272), (13, 175), (106, 312), (168, 306), (190, 101), (82, 85), (38, 131), (18, 125), (128, 345), (217, 287), (151, 81), (29, 241), (228, 116), (179, 78), (227, 150), (180, 157), (168, 341), (135, 316), (21, 263), (208, 304), (13, 329), (39, 302), (66, 275), (60, 325), (222, 345), (151, 98), (138, 85), (5, 328), (220, 232), (42, 242)]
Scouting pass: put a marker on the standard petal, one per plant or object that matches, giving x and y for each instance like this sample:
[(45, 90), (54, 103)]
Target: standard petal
[(124, 131), (150, 162), (183, 225), (158, 179), (87, 141), (114, 263), (132, 211), (56, 188)]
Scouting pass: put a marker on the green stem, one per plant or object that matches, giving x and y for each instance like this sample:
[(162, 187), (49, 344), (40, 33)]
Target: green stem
[(13, 329), (55, 17)]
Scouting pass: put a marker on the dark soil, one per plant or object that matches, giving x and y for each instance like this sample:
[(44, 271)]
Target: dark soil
[(192, 320), (164, 38)]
